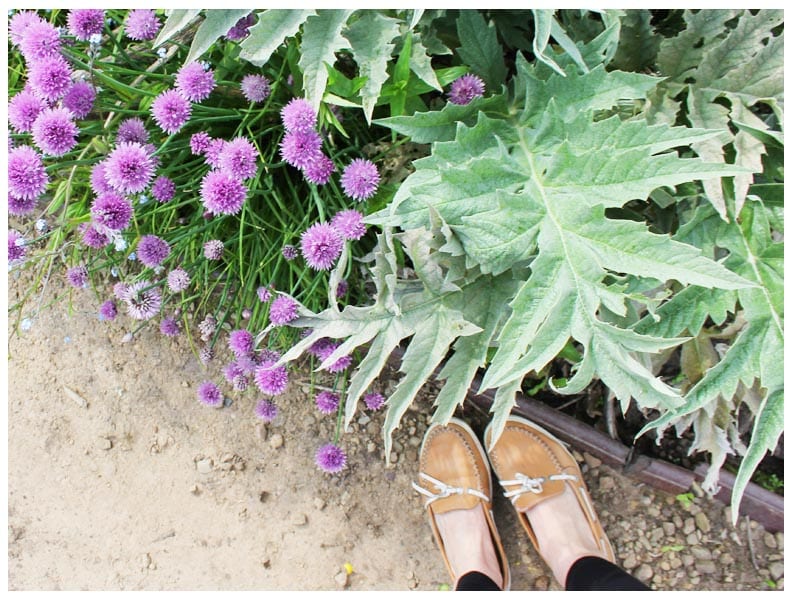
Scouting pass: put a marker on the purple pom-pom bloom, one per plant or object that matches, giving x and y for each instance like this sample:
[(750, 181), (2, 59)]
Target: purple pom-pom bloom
[(169, 327), (19, 24), (93, 238), (256, 88), (152, 250), (327, 402), (300, 148), (349, 224), (99, 178), (213, 249), (85, 22), (16, 246), (199, 142), (466, 88), (374, 400), (108, 311), (321, 246), (222, 193), (342, 288), (112, 211), (325, 351), (283, 310), (27, 177), (50, 77), (298, 115), (195, 83), (238, 157), (241, 342), (55, 132), (40, 40), (271, 380), (132, 130), (242, 28), (360, 179), (129, 168), (289, 252), (77, 276), (142, 300), (163, 189), (20, 206), (330, 458), (264, 294), (319, 170), (141, 24), (178, 280), (79, 99), (23, 110), (265, 410), (209, 394), (171, 110)]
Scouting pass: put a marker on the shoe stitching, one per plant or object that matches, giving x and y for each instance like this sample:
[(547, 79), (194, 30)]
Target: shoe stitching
[(552, 455), (471, 454)]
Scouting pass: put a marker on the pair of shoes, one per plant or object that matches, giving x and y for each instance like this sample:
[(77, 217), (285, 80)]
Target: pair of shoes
[(531, 464)]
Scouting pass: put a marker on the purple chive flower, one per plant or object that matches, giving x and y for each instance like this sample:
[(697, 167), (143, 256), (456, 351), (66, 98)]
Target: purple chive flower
[(321, 246), (23, 109), (265, 410), (170, 111), (121, 291), (79, 99), (178, 280), (319, 170), (349, 224), (327, 402), (289, 252), (466, 88), (112, 211), (326, 350), (93, 238), (50, 77), (129, 168), (374, 400), (284, 309), (152, 250), (300, 148), (213, 249), (54, 131), (199, 142), (342, 288), (99, 178), (194, 82), (298, 115), (241, 342), (264, 294), (16, 246), (209, 394), (132, 130), (360, 179), (19, 24), (206, 355), (213, 151), (242, 28), (232, 370), (222, 193), (77, 276), (141, 24), (256, 88), (207, 327), (271, 380), (20, 206), (142, 300), (163, 189), (85, 22), (40, 40), (238, 157), (169, 327), (330, 458), (108, 311), (27, 177)]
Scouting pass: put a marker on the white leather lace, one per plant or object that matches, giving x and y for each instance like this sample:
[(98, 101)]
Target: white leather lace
[(444, 490), (529, 484)]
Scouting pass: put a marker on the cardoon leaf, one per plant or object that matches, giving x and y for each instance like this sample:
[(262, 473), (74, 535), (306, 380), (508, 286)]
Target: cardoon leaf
[(177, 19), (214, 26), (321, 38), (480, 48), (273, 27)]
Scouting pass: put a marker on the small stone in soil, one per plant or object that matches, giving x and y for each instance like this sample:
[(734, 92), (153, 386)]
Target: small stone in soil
[(341, 579), (319, 503), (276, 441), (204, 466)]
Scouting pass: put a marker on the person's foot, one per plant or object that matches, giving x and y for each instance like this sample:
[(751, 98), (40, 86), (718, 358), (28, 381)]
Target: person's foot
[(456, 480), (544, 483)]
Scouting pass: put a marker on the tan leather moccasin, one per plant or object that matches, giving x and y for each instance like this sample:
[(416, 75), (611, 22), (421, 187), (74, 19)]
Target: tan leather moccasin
[(455, 475), (532, 466)]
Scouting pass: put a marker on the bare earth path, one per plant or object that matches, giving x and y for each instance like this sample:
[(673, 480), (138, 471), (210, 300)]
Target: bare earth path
[(142, 488)]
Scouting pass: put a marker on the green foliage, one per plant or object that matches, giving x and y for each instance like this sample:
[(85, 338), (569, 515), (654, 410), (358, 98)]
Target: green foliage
[(686, 500)]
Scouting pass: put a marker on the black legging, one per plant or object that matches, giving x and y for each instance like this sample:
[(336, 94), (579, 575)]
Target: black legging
[(589, 573)]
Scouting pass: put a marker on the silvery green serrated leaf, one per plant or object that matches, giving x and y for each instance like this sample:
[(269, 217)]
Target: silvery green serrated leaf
[(271, 30), (177, 19), (480, 48), (504, 401), (321, 38), (688, 310), (661, 107), (214, 26), (371, 45), (420, 63), (762, 133), (543, 19), (749, 151), (639, 42)]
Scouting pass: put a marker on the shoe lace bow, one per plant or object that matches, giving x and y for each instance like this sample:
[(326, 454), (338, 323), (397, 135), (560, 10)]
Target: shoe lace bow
[(529, 484), (444, 490)]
